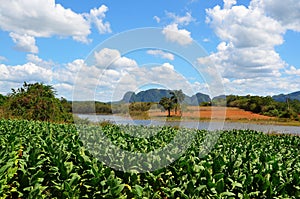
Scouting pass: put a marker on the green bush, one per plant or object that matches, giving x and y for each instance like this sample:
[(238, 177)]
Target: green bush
[(36, 102)]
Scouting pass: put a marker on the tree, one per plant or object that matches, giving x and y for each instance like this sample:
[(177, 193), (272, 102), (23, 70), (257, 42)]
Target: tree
[(36, 102), (177, 97), (167, 104), (2, 99)]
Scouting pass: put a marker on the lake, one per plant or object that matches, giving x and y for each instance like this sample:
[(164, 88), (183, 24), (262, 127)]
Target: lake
[(194, 124)]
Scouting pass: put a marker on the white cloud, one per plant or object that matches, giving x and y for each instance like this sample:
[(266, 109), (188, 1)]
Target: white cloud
[(96, 16), (2, 59), (27, 20), (41, 18), (112, 58), (38, 61), (229, 3), (293, 71), (180, 36), (286, 12), (106, 56), (245, 27), (246, 56), (248, 42), (262, 86), (27, 72), (157, 19), (181, 20), (67, 74), (91, 81), (24, 43), (106, 84), (244, 63), (168, 66), (161, 54), (173, 33)]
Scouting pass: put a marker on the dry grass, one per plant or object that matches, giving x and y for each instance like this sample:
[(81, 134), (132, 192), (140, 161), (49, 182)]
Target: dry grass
[(195, 112)]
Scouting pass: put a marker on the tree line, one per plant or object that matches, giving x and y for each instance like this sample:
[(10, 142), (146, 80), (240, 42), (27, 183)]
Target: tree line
[(262, 105), (37, 101)]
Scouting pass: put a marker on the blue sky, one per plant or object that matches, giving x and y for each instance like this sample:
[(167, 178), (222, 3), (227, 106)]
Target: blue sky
[(254, 46)]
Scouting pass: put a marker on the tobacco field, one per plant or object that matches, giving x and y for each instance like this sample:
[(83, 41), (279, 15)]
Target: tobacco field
[(47, 160)]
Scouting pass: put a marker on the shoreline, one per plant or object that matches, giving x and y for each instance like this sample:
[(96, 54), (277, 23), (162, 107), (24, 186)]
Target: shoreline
[(274, 122), (206, 114)]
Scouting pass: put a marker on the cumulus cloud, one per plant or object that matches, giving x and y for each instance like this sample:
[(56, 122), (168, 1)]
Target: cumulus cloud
[(78, 80), (162, 54), (245, 27), (28, 72), (248, 42), (181, 20), (96, 16), (287, 12), (262, 86), (174, 31), (67, 73), (112, 58), (24, 43), (293, 71), (174, 34), (246, 56), (111, 83), (38, 61), (229, 3), (26, 20)]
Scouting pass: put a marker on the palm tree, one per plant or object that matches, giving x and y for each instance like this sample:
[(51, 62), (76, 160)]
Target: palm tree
[(177, 97)]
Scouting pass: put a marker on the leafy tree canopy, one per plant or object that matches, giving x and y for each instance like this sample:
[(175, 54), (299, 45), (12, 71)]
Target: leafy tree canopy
[(36, 102), (167, 104)]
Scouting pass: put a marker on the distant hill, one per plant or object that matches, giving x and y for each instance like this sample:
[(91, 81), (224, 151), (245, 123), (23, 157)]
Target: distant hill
[(154, 95), (283, 97)]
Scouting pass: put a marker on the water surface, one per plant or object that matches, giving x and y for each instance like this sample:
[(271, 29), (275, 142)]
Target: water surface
[(196, 125)]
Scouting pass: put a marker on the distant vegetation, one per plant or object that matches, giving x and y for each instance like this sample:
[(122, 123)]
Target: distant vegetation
[(289, 109), (86, 107), (35, 102)]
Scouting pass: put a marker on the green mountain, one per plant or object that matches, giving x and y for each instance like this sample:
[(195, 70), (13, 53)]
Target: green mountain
[(154, 95)]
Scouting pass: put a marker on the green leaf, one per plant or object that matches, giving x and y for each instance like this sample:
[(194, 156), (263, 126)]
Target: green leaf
[(200, 188), (220, 186), (236, 184), (117, 189), (227, 194), (139, 190)]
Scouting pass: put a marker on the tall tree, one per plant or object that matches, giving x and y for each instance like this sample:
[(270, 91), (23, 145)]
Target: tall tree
[(177, 97), (167, 104)]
